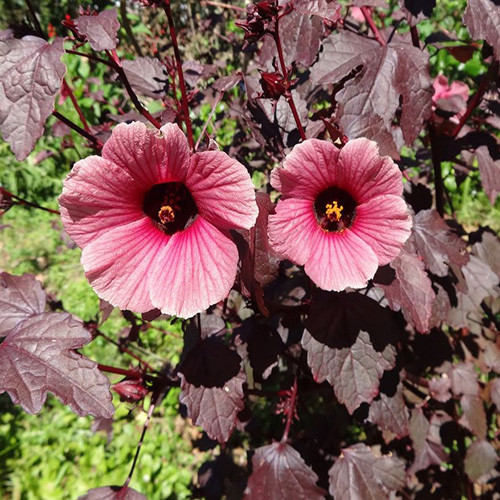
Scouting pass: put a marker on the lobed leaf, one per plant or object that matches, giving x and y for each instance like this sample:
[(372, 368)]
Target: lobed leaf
[(280, 473), (38, 356), (482, 18), (100, 30)]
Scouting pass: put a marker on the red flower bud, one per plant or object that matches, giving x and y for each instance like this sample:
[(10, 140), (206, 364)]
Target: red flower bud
[(131, 391), (273, 84)]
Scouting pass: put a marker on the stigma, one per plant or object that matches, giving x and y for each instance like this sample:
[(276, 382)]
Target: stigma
[(166, 214), (333, 212)]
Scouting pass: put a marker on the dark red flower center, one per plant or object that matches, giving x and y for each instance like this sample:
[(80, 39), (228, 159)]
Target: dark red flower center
[(335, 210), (170, 206)]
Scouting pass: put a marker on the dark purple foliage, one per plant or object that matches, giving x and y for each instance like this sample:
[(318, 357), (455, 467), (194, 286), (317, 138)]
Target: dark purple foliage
[(100, 30)]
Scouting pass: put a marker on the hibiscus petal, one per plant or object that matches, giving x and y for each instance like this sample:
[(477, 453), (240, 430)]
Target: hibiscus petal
[(97, 195), (293, 229), (341, 260), (384, 224), (147, 156), (364, 174), (307, 170), (195, 270), (118, 263), (222, 189)]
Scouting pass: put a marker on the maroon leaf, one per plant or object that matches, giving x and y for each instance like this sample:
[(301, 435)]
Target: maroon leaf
[(482, 282), (464, 379), (391, 413), (214, 408), (280, 473), (20, 298), (353, 372), (480, 458), (105, 425), (438, 246), (112, 493), (195, 71), (474, 416), (495, 392), (428, 449), (411, 290), (488, 250), (38, 356), (358, 473), (322, 8), (226, 83), (100, 30), (259, 262), (489, 170), (439, 388), (369, 101), (482, 18), (147, 76), (417, 10), (300, 38), (31, 74)]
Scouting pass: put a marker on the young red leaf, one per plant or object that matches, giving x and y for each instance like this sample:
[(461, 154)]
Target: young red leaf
[(489, 170), (31, 74), (482, 18), (214, 408), (438, 246), (38, 356), (411, 290), (147, 76), (358, 473), (369, 101), (280, 473), (480, 458), (391, 413), (354, 372), (20, 298), (100, 30), (112, 493)]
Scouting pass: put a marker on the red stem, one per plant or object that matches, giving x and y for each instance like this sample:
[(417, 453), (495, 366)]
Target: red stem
[(182, 84), (291, 412), (92, 57), (123, 77), (125, 350), (288, 94), (22, 201), (368, 16), (76, 105), (92, 138), (132, 374), (476, 98)]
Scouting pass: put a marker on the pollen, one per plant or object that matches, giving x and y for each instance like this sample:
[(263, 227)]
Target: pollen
[(166, 214), (333, 212)]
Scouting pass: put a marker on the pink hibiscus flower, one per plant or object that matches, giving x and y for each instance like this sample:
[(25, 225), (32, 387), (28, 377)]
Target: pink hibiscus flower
[(153, 220), (341, 214)]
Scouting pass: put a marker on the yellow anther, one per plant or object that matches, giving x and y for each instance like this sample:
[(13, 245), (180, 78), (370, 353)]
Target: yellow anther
[(166, 214), (333, 212)]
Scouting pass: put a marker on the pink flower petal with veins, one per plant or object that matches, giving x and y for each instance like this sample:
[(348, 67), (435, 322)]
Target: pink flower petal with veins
[(340, 261), (118, 264), (153, 220), (341, 214), (97, 194), (383, 224), (219, 185), (196, 269)]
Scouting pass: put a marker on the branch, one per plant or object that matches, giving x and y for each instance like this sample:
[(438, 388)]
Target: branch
[(21, 201), (92, 138), (288, 94), (76, 105), (369, 20), (477, 97), (182, 84)]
